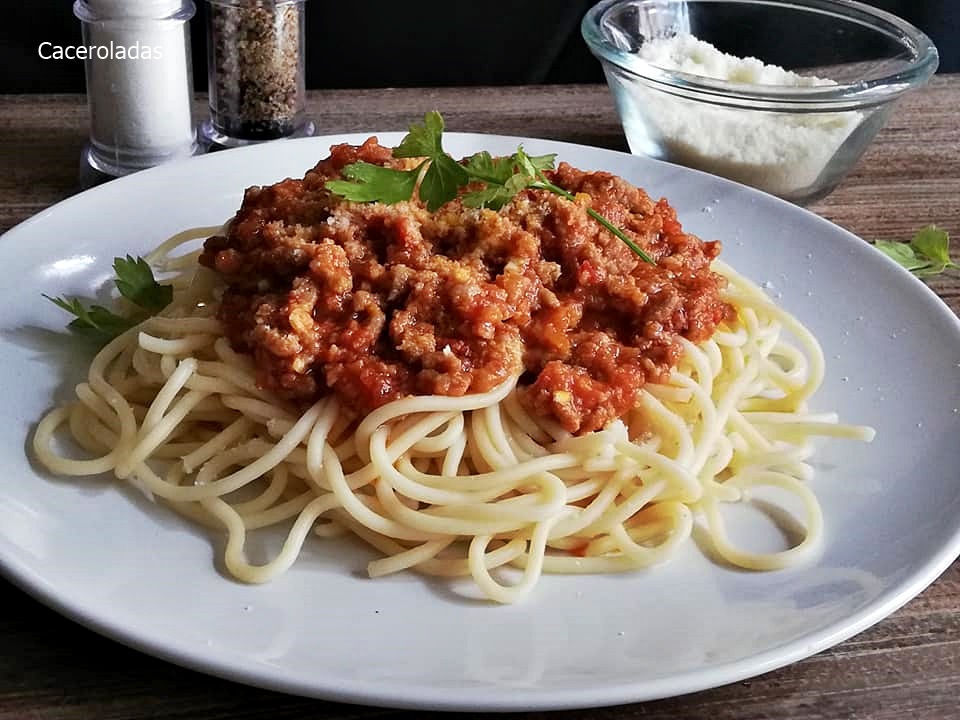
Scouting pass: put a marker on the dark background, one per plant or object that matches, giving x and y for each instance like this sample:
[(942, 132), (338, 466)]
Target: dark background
[(412, 43)]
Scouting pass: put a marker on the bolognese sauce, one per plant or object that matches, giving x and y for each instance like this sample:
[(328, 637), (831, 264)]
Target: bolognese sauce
[(376, 302)]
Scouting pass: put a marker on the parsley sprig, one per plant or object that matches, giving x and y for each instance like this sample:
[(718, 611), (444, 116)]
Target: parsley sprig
[(927, 254), (498, 179), (135, 281)]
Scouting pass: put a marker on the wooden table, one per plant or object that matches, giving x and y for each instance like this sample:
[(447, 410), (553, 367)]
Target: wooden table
[(906, 666)]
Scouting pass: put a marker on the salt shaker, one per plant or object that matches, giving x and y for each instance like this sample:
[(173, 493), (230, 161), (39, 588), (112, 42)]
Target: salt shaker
[(139, 82), (255, 64)]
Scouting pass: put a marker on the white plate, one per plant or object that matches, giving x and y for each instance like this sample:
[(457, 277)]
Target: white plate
[(105, 557)]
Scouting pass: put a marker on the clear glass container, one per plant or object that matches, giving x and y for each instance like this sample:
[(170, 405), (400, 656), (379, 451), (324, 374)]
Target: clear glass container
[(139, 82), (790, 136), (255, 64)]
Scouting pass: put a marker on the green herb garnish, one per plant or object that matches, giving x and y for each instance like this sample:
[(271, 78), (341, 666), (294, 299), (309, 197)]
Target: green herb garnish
[(135, 281), (927, 254), (441, 177), (95, 321)]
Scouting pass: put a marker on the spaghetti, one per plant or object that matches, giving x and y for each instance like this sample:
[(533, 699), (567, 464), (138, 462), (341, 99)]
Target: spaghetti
[(452, 485), (464, 390)]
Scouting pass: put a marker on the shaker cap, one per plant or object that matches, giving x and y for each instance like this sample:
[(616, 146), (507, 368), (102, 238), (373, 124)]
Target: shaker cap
[(139, 9)]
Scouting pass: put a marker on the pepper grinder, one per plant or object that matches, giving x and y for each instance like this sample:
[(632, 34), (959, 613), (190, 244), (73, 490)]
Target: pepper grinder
[(139, 83), (255, 63)]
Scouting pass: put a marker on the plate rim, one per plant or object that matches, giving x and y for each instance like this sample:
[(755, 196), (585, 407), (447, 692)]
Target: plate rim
[(424, 696)]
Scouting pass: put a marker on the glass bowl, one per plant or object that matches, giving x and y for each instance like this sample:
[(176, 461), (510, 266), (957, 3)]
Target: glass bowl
[(795, 140)]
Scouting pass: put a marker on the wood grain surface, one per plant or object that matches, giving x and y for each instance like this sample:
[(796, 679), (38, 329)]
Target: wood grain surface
[(907, 666)]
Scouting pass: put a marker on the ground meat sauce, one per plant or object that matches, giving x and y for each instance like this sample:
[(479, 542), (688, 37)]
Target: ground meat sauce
[(376, 302)]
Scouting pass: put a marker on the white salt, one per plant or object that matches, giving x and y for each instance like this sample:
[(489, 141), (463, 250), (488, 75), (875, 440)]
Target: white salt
[(783, 153)]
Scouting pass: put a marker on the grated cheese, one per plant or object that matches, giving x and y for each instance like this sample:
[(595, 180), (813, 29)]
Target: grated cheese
[(781, 152)]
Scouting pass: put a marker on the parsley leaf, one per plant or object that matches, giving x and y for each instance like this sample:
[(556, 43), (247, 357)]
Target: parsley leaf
[(526, 164), (442, 181), (375, 183), (901, 252), (927, 254), (503, 177), (500, 178), (933, 243), (135, 282), (492, 196), (423, 140), (541, 162), (444, 176), (486, 168), (94, 321)]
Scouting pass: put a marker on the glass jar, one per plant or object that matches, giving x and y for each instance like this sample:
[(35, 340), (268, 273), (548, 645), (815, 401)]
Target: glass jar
[(139, 82), (255, 64)]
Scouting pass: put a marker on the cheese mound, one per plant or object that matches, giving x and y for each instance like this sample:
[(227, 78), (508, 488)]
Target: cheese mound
[(783, 153), (688, 54)]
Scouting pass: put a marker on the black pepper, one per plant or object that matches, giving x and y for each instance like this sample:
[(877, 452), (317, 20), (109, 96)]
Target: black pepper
[(255, 54)]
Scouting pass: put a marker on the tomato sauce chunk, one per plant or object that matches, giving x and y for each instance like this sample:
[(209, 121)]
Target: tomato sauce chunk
[(377, 302)]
